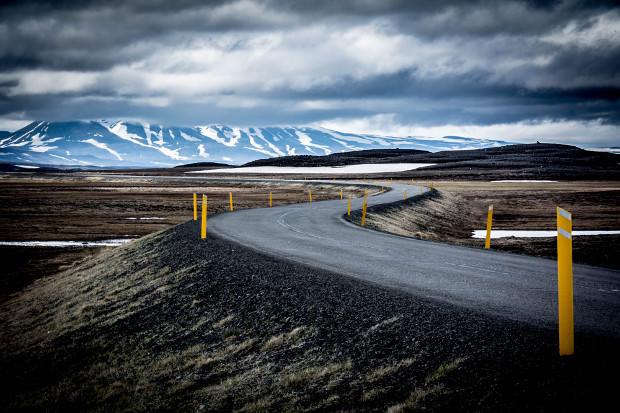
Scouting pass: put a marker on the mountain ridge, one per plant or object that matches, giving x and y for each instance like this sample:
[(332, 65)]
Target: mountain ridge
[(121, 143), (517, 161)]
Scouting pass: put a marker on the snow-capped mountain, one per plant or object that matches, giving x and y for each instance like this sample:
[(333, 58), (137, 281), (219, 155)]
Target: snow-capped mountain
[(122, 143)]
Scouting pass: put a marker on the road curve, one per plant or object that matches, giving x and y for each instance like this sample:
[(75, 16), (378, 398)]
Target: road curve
[(509, 285)]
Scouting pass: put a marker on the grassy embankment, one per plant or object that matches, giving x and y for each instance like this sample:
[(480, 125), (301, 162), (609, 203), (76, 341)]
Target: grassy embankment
[(170, 322), (455, 208)]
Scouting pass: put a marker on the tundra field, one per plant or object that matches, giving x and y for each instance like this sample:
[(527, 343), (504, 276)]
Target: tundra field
[(86, 207), (90, 207)]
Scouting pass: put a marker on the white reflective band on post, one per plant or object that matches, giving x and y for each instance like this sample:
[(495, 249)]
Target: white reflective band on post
[(564, 233), (565, 214), (490, 207)]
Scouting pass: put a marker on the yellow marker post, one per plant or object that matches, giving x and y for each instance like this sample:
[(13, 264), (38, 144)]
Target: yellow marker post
[(364, 212), (203, 226), (195, 207), (365, 202), (487, 241), (405, 195), (310, 196), (270, 200), (349, 206), (565, 283), (230, 201), (341, 194)]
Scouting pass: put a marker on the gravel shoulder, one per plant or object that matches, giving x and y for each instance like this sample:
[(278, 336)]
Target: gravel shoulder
[(170, 322)]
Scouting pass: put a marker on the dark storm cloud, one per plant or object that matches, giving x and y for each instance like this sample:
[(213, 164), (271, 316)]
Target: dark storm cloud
[(265, 61), (92, 35), (88, 35)]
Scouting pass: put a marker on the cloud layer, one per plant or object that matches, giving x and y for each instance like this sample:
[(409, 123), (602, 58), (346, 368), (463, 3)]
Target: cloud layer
[(547, 67)]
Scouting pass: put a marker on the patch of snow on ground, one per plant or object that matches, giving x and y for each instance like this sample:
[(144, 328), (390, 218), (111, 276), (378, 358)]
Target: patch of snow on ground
[(70, 160), (171, 153), (103, 146), (67, 244), (39, 145), (257, 146), (29, 131), (306, 141), (24, 143), (120, 130), (504, 233), (263, 151), (348, 169), (202, 152), (187, 137), (214, 134), (273, 147), (521, 180), (27, 166), (160, 137), (611, 149), (42, 148), (346, 145), (350, 138), (147, 132), (252, 141), (290, 151), (144, 218)]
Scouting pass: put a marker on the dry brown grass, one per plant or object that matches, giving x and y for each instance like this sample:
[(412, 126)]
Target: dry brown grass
[(95, 207), (289, 339), (389, 370), (384, 323), (432, 388), (301, 376)]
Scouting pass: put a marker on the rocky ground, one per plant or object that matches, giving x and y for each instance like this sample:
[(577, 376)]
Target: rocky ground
[(171, 322)]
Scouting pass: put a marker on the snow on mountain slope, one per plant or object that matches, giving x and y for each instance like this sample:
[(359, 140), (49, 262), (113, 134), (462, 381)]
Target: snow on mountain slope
[(103, 143)]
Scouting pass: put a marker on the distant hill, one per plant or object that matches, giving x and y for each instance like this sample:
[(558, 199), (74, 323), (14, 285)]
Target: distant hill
[(339, 159), (7, 167), (204, 165), (131, 144), (525, 161)]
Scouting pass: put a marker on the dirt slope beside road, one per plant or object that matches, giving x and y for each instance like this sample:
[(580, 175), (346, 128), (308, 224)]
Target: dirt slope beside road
[(174, 323), (454, 209)]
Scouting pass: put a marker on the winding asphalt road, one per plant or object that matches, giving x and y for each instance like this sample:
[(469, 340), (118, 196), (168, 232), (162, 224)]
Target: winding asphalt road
[(513, 286)]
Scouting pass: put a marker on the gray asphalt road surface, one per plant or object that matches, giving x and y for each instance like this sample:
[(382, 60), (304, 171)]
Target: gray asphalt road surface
[(508, 285)]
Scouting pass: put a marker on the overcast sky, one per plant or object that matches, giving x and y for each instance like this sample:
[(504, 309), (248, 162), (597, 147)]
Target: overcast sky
[(521, 70)]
